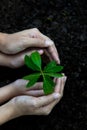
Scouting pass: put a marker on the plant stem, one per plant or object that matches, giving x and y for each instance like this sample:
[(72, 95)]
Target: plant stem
[(42, 74)]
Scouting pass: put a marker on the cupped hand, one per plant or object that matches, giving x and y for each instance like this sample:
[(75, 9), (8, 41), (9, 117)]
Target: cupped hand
[(32, 38), (17, 60), (31, 104)]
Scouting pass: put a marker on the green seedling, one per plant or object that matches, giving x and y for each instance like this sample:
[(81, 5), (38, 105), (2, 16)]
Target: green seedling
[(34, 62)]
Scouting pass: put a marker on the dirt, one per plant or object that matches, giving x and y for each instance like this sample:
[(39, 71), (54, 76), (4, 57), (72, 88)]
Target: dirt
[(65, 22)]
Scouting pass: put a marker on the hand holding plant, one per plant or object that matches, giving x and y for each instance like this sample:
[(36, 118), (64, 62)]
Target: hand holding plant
[(34, 62)]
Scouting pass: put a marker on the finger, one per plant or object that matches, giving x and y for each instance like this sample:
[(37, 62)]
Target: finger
[(60, 82), (51, 49), (58, 85), (55, 79), (42, 101), (18, 59), (48, 108), (22, 83), (54, 54), (35, 42), (36, 86), (57, 54), (30, 52), (47, 54), (63, 84), (35, 93)]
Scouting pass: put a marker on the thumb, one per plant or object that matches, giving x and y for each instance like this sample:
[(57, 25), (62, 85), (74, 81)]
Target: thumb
[(20, 82)]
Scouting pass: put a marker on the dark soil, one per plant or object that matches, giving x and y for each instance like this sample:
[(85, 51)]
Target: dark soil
[(65, 22)]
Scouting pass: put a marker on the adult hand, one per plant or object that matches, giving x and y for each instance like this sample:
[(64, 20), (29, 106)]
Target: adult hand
[(41, 105), (18, 88), (31, 38), (34, 102), (17, 60)]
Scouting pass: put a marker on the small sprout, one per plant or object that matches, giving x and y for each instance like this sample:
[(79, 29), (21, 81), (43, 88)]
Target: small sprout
[(34, 62)]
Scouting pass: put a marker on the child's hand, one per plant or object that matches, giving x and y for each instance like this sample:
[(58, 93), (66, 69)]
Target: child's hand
[(32, 102), (35, 104)]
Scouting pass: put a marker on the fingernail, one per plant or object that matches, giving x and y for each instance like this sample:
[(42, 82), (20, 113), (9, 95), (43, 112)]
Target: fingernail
[(64, 78), (63, 74), (58, 61), (40, 51), (49, 42), (56, 95)]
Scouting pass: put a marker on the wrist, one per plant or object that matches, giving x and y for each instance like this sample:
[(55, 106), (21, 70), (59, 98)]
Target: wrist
[(7, 92), (3, 40), (3, 37), (4, 59), (7, 112)]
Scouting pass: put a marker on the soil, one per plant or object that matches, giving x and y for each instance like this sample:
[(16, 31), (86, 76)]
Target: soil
[(65, 22)]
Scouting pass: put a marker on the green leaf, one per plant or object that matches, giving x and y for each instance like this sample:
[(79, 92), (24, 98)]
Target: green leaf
[(48, 84), (54, 69), (50, 65), (29, 63), (31, 76), (32, 79), (54, 75), (36, 58), (50, 70)]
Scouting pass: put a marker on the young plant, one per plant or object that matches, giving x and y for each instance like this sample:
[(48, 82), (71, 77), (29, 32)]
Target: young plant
[(34, 62)]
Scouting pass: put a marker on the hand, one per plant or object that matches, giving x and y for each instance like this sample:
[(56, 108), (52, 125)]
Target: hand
[(32, 38), (33, 103), (17, 60), (18, 87), (41, 105)]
